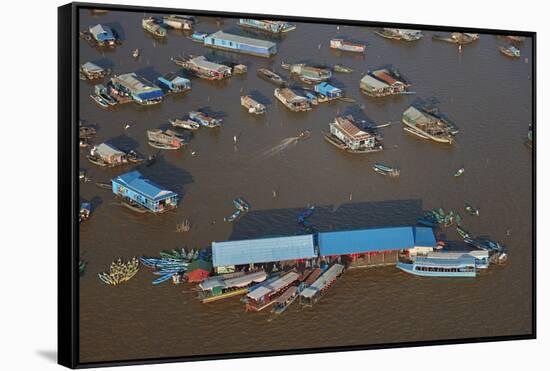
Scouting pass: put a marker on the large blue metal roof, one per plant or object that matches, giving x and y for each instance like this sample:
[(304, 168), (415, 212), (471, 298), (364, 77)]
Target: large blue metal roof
[(135, 181), (424, 237), (263, 250), (365, 240)]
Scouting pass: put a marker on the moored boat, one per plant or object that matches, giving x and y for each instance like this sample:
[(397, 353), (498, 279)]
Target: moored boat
[(153, 26), (459, 172), (241, 204), (99, 100), (291, 100), (205, 120), (471, 210), (428, 126), (135, 53), (184, 124), (342, 69), (252, 106), (463, 266), (313, 292), (164, 139), (510, 51), (231, 218), (399, 34), (271, 76), (347, 46)]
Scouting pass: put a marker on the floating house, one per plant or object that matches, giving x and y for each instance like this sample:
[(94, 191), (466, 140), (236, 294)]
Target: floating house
[(291, 100), (198, 270), (381, 83), (106, 155), (103, 35), (203, 68), (240, 44), (138, 88), (179, 22), (346, 135), (174, 83), (286, 250), (309, 74), (136, 189), (328, 90), (375, 246), (92, 71), (266, 294), (428, 126), (274, 27)]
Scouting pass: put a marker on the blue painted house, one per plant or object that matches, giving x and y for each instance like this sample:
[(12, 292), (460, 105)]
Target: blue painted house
[(174, 83), (240, 44), (328, 90), (134, 187), (102, 34), (140, 89)]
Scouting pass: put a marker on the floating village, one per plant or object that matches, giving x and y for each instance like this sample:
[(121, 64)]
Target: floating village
[(272, 273)]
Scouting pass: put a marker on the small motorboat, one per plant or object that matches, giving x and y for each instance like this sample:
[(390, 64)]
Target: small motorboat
[(133, 157), (241, 204), (386, 170), (231, 218), (462, 232), (104, 185), (304, 134), (99, 100), (135, 53), (471, 210), (342, 69), (306, 214), (459, 172)]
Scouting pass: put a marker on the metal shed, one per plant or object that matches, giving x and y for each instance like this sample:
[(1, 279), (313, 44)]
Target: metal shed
[(263, 250)]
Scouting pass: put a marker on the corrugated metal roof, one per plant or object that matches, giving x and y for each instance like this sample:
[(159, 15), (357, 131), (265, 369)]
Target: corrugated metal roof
[(323, 280), (365, 240), (348, 128), (202, 62), (478, 254), (274, 286), (417, 116), (242, 39), (102, 32), (135, 83), (106, 150), (371, 81), (92, 67), (262, 250), (135, 181), (424, 237)]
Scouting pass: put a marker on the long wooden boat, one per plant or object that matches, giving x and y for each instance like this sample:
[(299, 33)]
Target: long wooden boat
[(386, 170), (134, 206), (271, 76), (99, 100), (184, 124), (510, 51), (347, 46)]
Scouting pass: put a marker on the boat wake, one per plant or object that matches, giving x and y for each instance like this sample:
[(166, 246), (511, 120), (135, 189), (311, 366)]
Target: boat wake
[(283, 144)]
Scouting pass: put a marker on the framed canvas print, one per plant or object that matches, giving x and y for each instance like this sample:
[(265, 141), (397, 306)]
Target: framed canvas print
[(236, 185)]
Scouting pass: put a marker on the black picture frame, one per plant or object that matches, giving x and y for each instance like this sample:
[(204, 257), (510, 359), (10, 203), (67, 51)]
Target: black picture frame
[(68, 185)]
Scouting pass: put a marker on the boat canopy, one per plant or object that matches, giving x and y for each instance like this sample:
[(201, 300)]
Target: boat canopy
[(448, 263), (263, 250), (323, 280), (274, 286)]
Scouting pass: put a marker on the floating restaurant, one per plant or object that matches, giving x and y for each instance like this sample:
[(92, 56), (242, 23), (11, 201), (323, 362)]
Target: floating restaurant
[(174, 83), (346, 135), (286, 250), (274, 27), (142, 193), (138, 88), (291, 100), (103, 35), (240, 44), (203, 68), (382, 82)]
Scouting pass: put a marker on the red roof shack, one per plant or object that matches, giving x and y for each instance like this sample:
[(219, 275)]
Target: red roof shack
[(198, 270)]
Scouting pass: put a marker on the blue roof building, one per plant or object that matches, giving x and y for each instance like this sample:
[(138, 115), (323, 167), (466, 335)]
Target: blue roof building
[(328, 90), (263, 250), (174, 83), (103, 34), (240, 44), (374, 240), (135, 188), (141, 90)]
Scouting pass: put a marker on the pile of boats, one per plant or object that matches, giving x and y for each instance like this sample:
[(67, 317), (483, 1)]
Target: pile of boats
[(172, 265), (438, 217), (120, 272), (241, 207)]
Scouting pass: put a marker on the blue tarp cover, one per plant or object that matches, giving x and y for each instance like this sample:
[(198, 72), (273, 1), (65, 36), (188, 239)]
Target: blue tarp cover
[(153, 94)]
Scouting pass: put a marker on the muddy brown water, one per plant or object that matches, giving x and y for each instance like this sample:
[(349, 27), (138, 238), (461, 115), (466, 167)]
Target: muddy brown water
[(487, 95)]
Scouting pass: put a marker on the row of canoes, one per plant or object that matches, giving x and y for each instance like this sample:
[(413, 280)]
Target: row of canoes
[(120, 272)]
